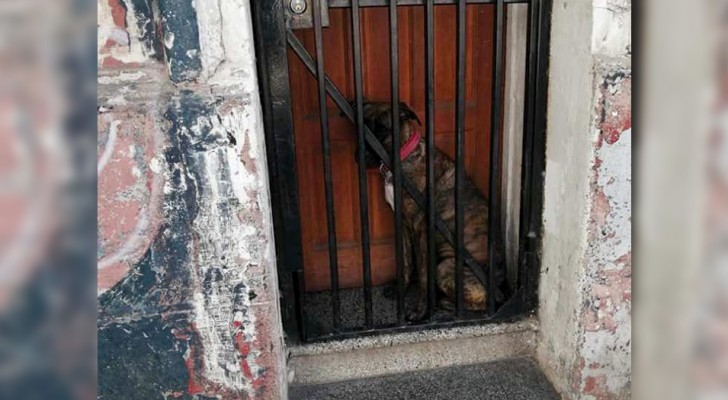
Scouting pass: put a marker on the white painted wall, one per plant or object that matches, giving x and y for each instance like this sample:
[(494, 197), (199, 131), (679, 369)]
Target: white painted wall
[(588, 39), (568, 163), (516, 27)]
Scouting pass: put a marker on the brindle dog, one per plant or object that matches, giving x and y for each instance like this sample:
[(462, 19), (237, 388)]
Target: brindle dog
[(377, 117)]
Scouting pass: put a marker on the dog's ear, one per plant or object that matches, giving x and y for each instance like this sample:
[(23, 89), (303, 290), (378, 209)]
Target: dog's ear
[(406, 114)]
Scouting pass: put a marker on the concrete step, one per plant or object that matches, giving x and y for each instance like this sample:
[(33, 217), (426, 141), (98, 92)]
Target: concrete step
[(372, 356), (510, 379)]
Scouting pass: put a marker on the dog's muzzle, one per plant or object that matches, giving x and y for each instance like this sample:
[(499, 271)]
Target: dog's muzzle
[(388, 185)]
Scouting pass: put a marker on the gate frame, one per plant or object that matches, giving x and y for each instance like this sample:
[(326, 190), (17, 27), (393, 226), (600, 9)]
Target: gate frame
[(271, 44)]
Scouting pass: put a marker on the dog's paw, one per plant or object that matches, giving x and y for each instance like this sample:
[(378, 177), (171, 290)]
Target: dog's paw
[(417, 313), (447, 305)]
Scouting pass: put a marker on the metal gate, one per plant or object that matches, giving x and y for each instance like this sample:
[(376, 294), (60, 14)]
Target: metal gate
[(273, 23)]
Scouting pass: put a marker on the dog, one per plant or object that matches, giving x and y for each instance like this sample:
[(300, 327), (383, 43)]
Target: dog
[(378, 118)]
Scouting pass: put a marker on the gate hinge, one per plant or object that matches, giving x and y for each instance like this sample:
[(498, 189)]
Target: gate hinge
[(300, 16)]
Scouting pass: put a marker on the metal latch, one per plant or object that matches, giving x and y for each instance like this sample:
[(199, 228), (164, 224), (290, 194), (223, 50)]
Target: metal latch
[(300, 16)]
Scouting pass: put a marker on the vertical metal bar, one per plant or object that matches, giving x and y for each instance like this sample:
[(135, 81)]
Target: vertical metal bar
[(273, 79), (326, 147), (460, 156), (363, 188), (495, 151), (528, 117), (300, 292), (430, 143), (396, 164)]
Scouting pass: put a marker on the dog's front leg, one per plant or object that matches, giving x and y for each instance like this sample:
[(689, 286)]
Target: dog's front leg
[(407, 255), (419, 241)]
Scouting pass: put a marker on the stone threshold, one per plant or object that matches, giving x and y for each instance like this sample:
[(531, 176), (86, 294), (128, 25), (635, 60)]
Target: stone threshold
[(396, 353)]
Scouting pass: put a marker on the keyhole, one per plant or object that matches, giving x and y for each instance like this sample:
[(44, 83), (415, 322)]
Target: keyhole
[(298, 6)]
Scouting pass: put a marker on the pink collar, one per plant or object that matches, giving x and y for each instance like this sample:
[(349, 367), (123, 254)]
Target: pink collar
[(410, 145)]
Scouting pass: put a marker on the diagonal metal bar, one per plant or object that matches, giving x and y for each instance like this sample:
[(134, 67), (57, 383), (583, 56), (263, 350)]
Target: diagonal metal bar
[(377, 147)]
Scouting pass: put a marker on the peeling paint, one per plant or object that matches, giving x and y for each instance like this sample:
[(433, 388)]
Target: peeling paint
[(612, 27), (585, 287), (129, 193), (210, 259), (120, 41), (222, 318), (605, 345), (181, 34), (211, 44), (187, 303)]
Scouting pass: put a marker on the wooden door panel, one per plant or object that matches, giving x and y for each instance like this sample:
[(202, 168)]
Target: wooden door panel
[(376, 81)]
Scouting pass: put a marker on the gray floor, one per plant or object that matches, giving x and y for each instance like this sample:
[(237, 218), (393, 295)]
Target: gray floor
[(319, 315), (515, 379), (319, 309)]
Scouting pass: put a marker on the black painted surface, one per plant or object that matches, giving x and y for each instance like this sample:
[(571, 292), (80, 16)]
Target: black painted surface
[(140, 360), (181, 39), (272, 64), (144, 14), (534, 150)]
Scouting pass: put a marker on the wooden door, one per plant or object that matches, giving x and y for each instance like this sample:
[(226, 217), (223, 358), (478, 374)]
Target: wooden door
[(376, 71)]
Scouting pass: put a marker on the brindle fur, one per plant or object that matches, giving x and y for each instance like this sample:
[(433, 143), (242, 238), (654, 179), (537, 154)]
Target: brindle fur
[(377, 117)]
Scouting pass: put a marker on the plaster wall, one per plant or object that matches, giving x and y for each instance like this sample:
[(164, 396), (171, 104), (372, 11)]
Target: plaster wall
[(585, 287)]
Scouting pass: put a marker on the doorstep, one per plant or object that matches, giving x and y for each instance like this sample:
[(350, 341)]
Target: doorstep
[(398, 353)]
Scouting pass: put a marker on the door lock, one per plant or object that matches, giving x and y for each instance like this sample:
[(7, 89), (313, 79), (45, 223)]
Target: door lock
[(297, 6), (300, 13)]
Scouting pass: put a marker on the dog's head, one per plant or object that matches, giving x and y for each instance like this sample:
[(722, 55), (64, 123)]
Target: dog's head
[(378, 118)]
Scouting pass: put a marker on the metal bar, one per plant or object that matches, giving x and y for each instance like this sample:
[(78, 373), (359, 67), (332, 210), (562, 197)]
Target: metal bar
[(273, 80), (326, 149), (527, 163), (363, 188), (460, 156), (495, 152), (383, 3), (377, 147), (430, 143), (299, 283), (396, 162)]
